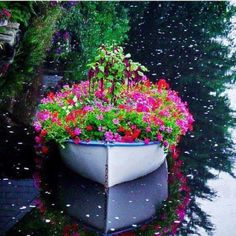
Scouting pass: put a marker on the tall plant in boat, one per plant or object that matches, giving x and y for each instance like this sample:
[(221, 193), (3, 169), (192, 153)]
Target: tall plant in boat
[(117, 106)]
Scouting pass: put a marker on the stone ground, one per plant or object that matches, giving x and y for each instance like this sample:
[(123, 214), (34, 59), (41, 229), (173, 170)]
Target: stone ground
[(16, 199)]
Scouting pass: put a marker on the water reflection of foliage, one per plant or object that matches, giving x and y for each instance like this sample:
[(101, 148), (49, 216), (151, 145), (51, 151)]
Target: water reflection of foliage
[(176, 39)]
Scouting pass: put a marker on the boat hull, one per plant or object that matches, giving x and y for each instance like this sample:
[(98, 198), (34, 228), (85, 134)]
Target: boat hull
[(114, 163)]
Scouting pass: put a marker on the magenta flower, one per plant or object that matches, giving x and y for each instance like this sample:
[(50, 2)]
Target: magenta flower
[(43, 115), (38, 139), (146, 140), (109, 136), (117, 137), (88, 108), (164, 113), (159, 137), (77, 131), (165, 143), (37, 126), (148, 129)]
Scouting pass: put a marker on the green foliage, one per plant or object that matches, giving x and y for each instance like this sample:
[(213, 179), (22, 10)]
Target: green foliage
[(32, 50), (111, 69), (21, 12), (90, 25)]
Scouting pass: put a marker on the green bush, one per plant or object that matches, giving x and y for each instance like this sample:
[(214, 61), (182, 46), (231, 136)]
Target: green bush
[(91, 24), (33, 46)]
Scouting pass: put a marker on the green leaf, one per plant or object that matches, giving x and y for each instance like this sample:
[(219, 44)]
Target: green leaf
[(100, 75), (140, 73), (108, 85), (143, 68), (101, 68)]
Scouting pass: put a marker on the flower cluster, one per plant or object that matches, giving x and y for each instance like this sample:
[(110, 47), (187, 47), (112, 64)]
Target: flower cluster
[(138, 110), (61, 44), (4, 14)]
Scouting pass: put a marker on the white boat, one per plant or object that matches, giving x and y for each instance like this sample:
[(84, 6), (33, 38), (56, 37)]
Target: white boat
[(113, 163)]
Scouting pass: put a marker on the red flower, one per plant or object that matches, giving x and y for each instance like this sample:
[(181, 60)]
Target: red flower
[(127, 138), (136, 133), (6, 13), (45, 150), (75, 227), (66, 228), (121, 129), (162, 84), (51, 95), (76, 140), (89, 127), (43, 133), (71, 102)]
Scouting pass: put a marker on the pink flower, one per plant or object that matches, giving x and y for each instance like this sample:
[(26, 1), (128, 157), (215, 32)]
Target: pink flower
[(162, 128), (43, 115), (117, 137), (165, 143), (165, 113), (146, 140), (109, 136), (99, 117), (169, 130), (159, 137), (77, 131), (98, 94), (101, 129), (88, 108), (116, 121), (148, 129), (38, 139), (37, 126)]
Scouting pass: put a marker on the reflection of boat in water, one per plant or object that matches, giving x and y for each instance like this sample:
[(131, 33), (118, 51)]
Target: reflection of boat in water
[(120, 207)]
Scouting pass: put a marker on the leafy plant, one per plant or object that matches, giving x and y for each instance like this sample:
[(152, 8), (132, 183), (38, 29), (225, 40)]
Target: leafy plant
[(32, 50), (89, 25), (117, 104)]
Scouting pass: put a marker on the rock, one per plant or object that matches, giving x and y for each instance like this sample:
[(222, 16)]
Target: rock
[(10, 34), (3, 22), (13, 25), (7, 38)]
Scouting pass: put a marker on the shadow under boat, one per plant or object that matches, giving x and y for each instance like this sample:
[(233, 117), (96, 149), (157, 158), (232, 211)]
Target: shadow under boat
[(115, 209)]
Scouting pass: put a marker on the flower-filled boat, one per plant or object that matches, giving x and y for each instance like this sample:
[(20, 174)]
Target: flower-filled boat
[(117, 125)]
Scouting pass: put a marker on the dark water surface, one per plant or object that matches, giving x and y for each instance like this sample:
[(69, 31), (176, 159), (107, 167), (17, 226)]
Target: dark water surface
[(174, 40)]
